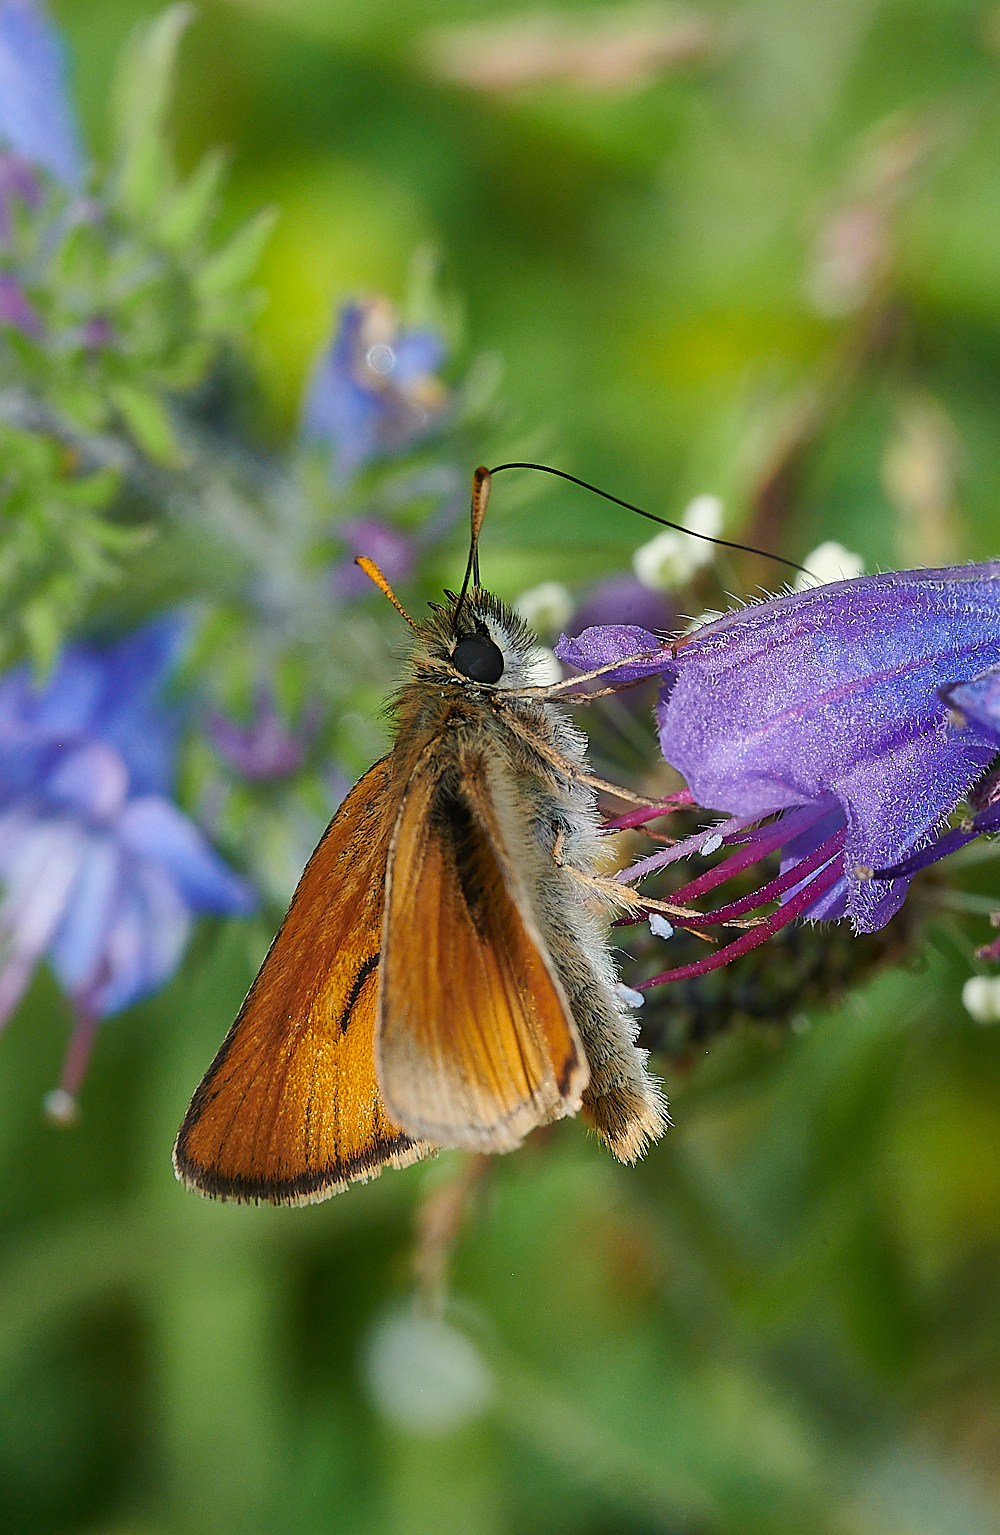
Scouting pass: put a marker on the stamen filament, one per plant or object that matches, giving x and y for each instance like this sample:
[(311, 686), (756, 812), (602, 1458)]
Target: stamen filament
[(757, 935), (677, 801)]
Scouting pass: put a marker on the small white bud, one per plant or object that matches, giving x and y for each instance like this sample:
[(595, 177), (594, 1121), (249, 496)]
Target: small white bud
[(829, 562), (546, 608), (628, 996), (660, 927), (981, 998)]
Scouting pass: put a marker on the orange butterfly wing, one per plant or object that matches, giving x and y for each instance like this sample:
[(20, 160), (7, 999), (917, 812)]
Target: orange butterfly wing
[(290, 1110), (475, 1043)]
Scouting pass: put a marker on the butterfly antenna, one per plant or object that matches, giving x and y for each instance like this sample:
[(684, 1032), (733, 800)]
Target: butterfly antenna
[(373, 573), (724, 543), (480, 500)]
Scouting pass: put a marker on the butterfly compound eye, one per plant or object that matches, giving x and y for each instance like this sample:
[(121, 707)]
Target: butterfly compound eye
[(479, 658)]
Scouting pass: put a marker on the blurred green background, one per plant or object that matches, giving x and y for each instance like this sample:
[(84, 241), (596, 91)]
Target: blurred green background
[(761, 259)]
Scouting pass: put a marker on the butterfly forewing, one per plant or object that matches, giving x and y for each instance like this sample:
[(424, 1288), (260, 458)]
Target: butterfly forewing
[(475, 1042), (290, 1110)]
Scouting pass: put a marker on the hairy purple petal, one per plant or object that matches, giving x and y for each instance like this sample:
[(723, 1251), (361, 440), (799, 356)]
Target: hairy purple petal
[(36, 119), (599, 647), (833, 693)]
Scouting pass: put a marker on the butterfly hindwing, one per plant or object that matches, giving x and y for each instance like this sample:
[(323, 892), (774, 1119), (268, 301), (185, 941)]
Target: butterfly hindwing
[(290, 1110), (475, 1042)]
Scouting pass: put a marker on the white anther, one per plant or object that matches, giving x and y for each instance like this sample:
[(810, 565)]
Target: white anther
[(628, 996), (660, 927), (711, 845)]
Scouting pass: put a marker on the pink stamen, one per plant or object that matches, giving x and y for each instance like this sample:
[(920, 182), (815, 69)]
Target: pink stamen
[(777, 886), (768, 840), (726, 829), (637, 817), (757, 935)]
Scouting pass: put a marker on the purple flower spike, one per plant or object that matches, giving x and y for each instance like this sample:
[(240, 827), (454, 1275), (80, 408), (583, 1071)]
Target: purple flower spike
[(36, 119), (825, 706), (264, 749), (101, 872), (374, 391), (393, 552)]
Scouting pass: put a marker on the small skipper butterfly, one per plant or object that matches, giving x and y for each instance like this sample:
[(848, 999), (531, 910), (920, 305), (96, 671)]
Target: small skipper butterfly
[(443, 976)]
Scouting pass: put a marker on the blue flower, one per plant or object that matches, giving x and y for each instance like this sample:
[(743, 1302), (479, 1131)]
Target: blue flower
[(374, 391), (101, 871), (36, 119), (816, 721)]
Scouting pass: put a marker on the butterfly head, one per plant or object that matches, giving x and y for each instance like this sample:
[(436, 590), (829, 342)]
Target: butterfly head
[(482, 642)]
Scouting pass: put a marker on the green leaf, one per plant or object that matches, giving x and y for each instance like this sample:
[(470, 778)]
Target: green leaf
[(186, 215), (149, 422), (43, 630), (234, 263), (142, 96)]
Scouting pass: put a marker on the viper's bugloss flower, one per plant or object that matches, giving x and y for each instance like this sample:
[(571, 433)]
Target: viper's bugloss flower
[(375, 390), (101, 871), (36, 119), (815, 721), (264, 749)]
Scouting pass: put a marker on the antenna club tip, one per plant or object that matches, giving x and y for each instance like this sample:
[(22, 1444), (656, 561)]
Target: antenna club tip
[(481, 481)]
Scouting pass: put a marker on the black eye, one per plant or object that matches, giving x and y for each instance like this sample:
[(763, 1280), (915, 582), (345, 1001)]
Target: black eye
[(477, 657)]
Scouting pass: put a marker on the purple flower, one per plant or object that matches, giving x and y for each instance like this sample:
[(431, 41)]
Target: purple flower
[(823, 709), (392, 551), (622, 599), (36, 119), (101, 871), (264, 749), (374, 390), (15, 310)]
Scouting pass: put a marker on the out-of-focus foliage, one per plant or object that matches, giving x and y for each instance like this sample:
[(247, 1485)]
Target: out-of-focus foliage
[(751, 252)]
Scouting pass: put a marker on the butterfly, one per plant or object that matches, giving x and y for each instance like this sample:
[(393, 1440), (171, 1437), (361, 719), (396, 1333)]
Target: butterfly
[(443, 976)]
